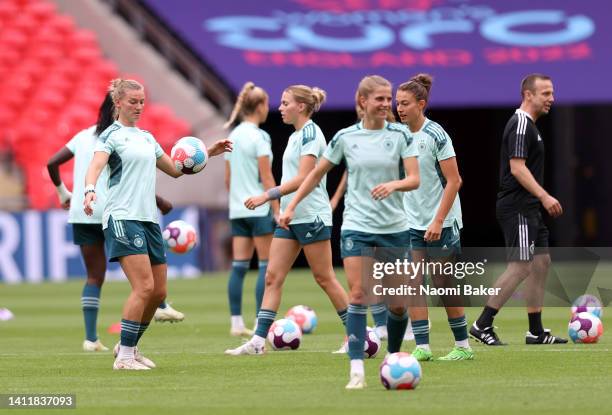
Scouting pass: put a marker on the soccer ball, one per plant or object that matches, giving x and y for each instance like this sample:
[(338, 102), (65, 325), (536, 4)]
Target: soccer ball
[(371, 345), (180, 237), (400, 371), (585, 328), (189, 155), (588, 303), (304, 316), (285, 334)]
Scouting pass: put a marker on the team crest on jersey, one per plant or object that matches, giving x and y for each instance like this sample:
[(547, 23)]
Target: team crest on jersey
[(422, 145), (388, 144), (138, 242)]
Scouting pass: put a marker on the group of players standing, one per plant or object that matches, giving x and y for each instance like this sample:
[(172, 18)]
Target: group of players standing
[(401, 192)]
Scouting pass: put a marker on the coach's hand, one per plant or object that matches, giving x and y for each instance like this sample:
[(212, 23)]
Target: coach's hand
[(285, 218), (552, 205)]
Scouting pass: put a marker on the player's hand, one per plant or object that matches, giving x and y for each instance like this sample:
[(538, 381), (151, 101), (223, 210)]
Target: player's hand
[(383, 190), (433, 232), (220, 147), (276, 217), (286, 218), (90, 199), (255, 201), (165, 206), (66, 204), (552, 206)]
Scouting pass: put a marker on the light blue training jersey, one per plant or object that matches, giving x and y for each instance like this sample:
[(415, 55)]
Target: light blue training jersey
[(307, 141), (434, 145), (133, 155), (372, 157), (250, 143)]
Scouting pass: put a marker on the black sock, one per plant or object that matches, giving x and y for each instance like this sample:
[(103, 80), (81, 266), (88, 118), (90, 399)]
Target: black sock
[(535, 323), (486, 318)]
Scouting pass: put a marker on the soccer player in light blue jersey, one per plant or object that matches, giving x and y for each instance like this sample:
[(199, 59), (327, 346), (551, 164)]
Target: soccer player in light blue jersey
[(374, 215), (248, 171), (434, 216), (87, 230), (131, 230), (310, 228)]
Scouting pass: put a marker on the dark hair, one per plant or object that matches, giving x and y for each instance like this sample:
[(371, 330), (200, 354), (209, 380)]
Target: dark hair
[(528, 83), (106, 114), (419, 85)]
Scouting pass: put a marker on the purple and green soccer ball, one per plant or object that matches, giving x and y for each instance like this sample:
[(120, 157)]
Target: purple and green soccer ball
[(285, 334), (585, 328), (371, 344)]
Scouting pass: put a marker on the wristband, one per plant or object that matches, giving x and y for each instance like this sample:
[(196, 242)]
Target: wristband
[(63, 193), (274, 193), (90, 188)]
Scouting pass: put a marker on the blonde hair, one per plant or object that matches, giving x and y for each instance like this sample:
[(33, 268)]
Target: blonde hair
[(419, 85), (117, 89), (366, 86), (248, 99), (311, 97)]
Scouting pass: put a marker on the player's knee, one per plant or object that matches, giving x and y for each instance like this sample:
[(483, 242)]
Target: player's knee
[(159, 294), (398, 310), (357, 296), (541, 264), (145, 289), (273, 280), (323, 279), (96, 280)]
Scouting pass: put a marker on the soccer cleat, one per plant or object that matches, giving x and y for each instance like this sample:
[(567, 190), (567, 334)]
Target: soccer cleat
[(246, 349), (544, 338), (343, 349), (357, 381), (381, 332), (422, 355), (137, 356), (241, 332), (96, 346), (486, 336), (168, 314), (128, 364), (459, 353)]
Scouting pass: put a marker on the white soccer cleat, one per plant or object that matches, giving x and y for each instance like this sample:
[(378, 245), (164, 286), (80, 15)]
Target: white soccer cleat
[(128, 364), (246, 349), (96, 346), (357, 381), (381, 332), (168, 314), (241, 332), (343, 349), (137, 356)]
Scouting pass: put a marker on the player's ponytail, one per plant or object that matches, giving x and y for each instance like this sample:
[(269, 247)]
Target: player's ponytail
[(106, 114), (249, 98), (311, 97)]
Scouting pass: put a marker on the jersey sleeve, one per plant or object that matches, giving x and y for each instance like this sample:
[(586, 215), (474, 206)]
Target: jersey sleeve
[(71, 145), (263, 145), (106, 143), (408, 146), (310, 145), (519, 138), (444, 149), (335, 150), (158, 150)]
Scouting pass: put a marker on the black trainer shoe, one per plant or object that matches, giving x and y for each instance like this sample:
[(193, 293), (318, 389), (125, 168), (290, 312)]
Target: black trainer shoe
[(486, 336), (544, 338)]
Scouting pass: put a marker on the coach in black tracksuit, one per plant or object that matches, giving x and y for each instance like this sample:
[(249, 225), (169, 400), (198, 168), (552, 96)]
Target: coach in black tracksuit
[(518, 212)]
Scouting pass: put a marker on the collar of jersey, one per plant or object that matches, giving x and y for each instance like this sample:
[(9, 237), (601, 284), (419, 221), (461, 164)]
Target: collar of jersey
[(305, 124), (361, 127), (520, 111)]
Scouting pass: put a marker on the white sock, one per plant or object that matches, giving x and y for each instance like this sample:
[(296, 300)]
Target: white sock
[(258, 341), (237, 322), (125, 352), (463, 343), (424, 347), (357, 366)]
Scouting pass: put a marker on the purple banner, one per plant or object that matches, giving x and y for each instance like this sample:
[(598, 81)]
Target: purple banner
[(477, 50)]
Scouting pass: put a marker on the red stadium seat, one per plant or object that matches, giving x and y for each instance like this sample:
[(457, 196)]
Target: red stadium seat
[(41, 10)]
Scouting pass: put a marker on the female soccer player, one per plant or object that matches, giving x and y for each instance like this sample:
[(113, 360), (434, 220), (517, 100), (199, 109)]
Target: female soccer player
[(87, 231), (374, 214), (129, 218), (248, 171), (434, 216), (311, 226)]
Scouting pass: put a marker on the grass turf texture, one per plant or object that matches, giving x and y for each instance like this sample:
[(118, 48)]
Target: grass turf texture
[(40, 352)]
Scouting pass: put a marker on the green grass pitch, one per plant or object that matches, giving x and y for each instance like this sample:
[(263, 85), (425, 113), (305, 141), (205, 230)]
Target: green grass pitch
[(40, 352)]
